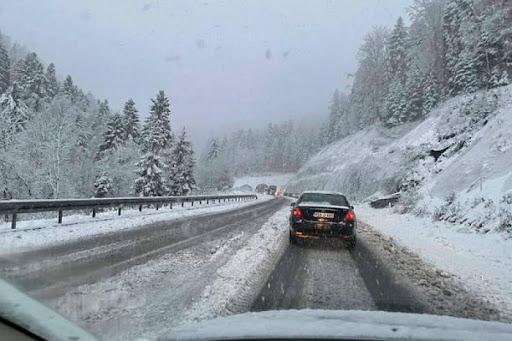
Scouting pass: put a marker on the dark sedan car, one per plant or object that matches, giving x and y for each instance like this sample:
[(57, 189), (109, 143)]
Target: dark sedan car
[(319, 214)]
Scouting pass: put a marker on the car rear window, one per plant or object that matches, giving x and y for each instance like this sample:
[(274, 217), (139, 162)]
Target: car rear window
[(323, 199)]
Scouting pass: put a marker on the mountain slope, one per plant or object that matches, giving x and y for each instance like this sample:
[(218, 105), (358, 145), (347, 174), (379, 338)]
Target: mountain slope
[(456, 164)]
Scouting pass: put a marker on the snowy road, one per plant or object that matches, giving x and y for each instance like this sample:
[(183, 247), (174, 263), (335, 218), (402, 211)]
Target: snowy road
[(377, 275), (319, 275)]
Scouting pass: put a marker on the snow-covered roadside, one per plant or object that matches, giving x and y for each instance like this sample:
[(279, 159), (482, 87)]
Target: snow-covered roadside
[(479, 261), (32, 234), (240, 280)]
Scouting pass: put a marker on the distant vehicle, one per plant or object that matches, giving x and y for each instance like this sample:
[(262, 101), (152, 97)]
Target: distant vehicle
[(279, 191), (262, 188), (318, 214), (272, 189)]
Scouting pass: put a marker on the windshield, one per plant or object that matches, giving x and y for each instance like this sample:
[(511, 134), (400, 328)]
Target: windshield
[(164, 163), (323, 199)]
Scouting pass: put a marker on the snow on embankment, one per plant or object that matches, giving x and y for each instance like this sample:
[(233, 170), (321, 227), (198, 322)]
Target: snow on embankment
[(455, 165)]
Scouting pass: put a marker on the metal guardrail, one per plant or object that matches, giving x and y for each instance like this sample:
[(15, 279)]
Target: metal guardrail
[(15, 207)]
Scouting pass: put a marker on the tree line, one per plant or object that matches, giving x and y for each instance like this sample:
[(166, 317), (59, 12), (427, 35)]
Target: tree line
[(279, 147), (57, 141), (450, 47)]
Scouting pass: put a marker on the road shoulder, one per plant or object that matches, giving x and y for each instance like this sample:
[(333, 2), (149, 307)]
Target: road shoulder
[(440, 292)]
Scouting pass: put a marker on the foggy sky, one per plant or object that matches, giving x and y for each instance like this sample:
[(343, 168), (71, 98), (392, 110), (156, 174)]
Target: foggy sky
[(224, 64)]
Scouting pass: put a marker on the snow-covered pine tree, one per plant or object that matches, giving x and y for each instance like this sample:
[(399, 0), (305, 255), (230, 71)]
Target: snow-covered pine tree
[(156, 140), (69, 88), (370, 83), (52, 84), (131, 121), (113, 137), (150, 180), (415, 88), (324, 134), (461, 33), (181, 171), (397, 69), (17, 71), (156, 133), (103, 186), (32, 82), (427, 47), (343, 125), (5, 66), (397, 52), (452, 41), (102, 115), (213, 149), (396, 104), (14, 115), (493, 55), (335, 112), (464, 79), (431, 95)]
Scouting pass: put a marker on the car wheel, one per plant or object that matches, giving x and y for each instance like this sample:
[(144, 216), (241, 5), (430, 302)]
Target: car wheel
[(351, 244), (293, 239)]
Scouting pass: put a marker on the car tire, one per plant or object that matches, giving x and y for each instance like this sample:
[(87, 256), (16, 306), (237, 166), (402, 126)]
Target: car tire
[(351, 244), (293, 239)]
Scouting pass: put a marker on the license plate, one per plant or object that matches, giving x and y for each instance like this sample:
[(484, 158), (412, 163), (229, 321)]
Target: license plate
[(322, 227), (326, 215)]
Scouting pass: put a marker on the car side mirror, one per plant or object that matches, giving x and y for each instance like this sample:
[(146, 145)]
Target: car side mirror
[(351, 207), (293, 204)]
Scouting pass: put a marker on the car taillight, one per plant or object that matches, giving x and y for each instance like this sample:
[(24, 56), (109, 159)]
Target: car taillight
[(350, 216), (297, 213)]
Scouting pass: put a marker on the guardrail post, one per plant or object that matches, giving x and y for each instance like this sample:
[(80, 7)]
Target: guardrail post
[(119, 211), (207, 202), (60, 216), (192, 203), (94, 213), (140, 208), (182, 203), (13, 222), (170, 205), (157, 206)]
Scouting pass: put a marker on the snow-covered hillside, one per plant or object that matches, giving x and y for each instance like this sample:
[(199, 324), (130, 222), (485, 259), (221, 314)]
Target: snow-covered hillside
[(455, 165)]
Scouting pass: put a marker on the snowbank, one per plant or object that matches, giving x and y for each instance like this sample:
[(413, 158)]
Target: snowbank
[(32, 234), (240, 280), (480, 262)]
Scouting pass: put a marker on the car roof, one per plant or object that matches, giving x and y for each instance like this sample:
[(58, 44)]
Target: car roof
[(322, 192)]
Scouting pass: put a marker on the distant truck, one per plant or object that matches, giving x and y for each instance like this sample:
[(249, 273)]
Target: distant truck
[(262, 188), (272, 189)]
